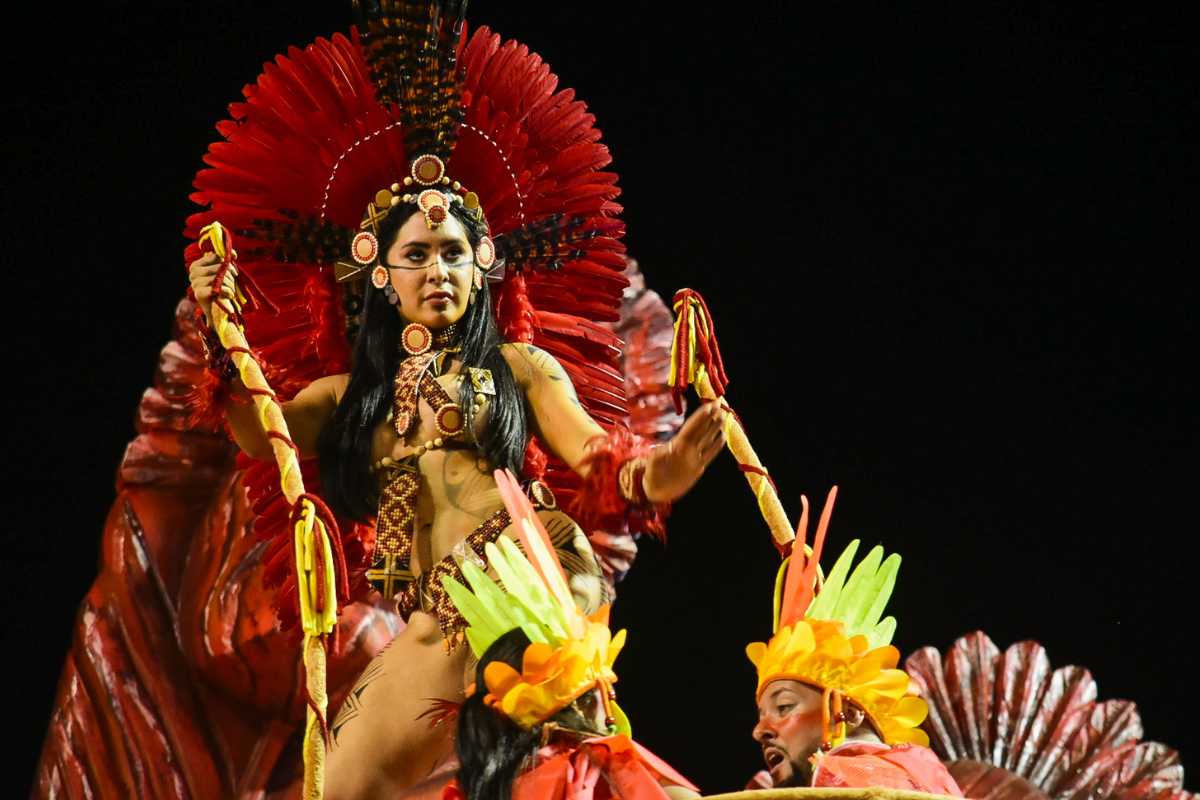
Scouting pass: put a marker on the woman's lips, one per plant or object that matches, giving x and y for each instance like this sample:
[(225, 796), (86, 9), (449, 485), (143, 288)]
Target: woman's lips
[(439, 297)]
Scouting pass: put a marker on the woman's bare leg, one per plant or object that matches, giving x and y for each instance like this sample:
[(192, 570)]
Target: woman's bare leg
[(379, 745)]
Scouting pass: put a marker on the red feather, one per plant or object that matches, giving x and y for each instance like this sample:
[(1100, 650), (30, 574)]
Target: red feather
[(794, 594)]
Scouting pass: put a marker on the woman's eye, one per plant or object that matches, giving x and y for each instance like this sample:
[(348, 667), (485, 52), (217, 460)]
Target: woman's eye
[(416, 256)]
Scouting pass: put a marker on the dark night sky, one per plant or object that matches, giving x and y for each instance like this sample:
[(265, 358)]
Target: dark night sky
[(952, 288)]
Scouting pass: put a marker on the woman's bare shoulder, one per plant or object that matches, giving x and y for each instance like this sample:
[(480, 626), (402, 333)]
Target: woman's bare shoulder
[(518, 357), (328, 388), (528, 362)]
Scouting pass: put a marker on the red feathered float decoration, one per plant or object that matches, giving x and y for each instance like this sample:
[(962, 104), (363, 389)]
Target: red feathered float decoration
[(178, 682)]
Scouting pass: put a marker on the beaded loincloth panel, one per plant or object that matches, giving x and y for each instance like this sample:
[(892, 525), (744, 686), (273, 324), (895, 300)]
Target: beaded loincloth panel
[(391, 566)]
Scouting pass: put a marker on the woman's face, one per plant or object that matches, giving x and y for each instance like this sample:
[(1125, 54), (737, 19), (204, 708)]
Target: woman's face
[(432, 271)]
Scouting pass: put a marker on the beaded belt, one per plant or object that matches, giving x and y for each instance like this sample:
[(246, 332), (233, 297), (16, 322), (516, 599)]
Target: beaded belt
[(426, 592)]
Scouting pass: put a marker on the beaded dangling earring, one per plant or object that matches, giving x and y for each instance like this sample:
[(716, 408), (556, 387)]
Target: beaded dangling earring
[(379, 277), (381, 280)]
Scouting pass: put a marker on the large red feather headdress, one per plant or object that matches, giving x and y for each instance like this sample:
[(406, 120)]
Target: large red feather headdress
[(325, 127)]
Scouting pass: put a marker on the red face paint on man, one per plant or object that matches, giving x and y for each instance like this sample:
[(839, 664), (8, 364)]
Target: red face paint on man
[(789, 730)]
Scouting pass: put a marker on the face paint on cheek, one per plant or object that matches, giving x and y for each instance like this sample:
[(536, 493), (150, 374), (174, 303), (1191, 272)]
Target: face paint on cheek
[(800, 734)]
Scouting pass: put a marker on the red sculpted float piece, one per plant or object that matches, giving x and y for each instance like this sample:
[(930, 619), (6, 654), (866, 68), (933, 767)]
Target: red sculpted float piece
[(1010, 727), (178, 683)]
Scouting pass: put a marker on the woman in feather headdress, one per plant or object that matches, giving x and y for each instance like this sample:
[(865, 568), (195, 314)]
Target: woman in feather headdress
[(474, 172)]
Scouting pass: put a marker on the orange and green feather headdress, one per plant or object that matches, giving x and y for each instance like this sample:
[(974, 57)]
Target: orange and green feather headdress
[(831, 637), (569, 653)]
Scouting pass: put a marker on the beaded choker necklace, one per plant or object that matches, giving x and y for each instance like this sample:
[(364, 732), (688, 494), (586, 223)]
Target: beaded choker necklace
[(416, 339)]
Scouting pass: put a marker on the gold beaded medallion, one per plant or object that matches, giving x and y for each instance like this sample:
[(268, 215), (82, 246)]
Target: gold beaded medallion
[(416, 339)]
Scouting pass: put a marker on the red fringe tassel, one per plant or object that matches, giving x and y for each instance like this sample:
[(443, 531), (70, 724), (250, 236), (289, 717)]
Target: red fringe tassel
[(707, 351)]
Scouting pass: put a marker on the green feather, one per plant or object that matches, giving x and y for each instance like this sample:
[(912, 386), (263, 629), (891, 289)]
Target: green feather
[(481, 632), (491, 597), (479, 644), (516, 577), (884, 583), (516, 584), (530, 590), (856, 594), (823, 605), (882, 633), (526, 600), (518, 598), (857, 598), (548, 564)]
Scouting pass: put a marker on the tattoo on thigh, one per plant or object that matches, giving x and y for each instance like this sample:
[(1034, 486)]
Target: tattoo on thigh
[(353, 705)]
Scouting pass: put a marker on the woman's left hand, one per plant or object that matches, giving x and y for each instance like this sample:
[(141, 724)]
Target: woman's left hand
[(674, 469)]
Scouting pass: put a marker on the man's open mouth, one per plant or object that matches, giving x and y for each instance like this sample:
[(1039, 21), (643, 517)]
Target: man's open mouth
[(774, 757)]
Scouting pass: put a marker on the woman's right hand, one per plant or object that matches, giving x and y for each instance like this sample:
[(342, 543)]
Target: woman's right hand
[(202, 272)]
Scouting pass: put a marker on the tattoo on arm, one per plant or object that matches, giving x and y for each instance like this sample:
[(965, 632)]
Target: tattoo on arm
[(353, 705), (549, 366)]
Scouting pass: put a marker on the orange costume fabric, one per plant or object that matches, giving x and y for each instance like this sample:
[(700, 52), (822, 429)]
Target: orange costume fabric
[(858, 765), (607, 768)]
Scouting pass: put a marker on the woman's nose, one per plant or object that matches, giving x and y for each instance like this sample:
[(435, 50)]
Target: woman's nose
[(437, 271)]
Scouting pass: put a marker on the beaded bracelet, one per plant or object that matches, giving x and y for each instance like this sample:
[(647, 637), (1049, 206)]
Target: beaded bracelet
[(629, 479)]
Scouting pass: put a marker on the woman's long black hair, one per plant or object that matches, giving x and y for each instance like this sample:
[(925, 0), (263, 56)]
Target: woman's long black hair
[(344, 446), (491, 747)]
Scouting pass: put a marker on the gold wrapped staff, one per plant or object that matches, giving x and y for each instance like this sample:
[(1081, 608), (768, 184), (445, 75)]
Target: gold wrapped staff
[(696, 362)]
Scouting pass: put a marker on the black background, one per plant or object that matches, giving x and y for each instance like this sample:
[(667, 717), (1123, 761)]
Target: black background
[(943, 254)]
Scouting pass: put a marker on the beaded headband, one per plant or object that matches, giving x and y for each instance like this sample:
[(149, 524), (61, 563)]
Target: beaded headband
[(433, 192)]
